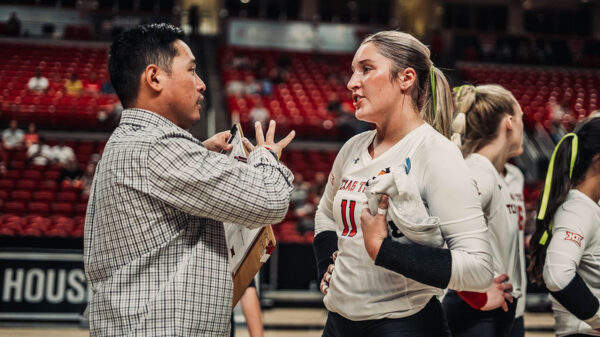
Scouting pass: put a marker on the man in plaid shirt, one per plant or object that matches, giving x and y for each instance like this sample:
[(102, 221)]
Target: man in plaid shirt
[(154, 248)]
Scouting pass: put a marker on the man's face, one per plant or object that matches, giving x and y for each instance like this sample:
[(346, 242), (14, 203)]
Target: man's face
[(183, 88)]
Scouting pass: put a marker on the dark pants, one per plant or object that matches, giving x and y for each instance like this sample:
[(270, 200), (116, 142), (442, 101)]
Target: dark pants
[(518, 329), (464, 321), (429, 322)]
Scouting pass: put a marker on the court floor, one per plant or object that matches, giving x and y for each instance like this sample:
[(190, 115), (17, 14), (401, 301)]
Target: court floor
[(279, 322)]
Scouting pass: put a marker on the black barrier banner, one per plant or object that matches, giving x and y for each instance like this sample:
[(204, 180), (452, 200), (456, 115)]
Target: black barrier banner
[(42, 286)]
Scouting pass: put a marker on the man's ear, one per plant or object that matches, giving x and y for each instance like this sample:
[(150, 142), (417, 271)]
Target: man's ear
[(509, 122), (153, 77)]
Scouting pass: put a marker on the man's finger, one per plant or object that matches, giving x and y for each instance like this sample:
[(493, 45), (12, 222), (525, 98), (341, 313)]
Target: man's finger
[(285, 141), (227, 147), (270, 137), (335, 255), (247, 144), (505, 307), (260, 138), (330, 268), (507, 287)]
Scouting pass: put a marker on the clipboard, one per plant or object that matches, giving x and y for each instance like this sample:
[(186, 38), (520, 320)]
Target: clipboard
[(248, 249)]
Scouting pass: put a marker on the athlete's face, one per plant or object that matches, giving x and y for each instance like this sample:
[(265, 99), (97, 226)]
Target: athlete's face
[(373, 91), (516, 136)]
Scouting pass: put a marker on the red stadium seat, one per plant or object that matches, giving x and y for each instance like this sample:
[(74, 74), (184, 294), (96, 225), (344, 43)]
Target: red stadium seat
[(6, 184), (39, 208), (14, 207), (49, 185), (43, 196), (26, 184), (62, 208), (67, 196), (20, 195), (32, 175)]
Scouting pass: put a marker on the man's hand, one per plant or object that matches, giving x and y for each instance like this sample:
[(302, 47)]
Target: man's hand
[(218, 142), (499, 293), (268, 140), (327, 276), (375, 228)]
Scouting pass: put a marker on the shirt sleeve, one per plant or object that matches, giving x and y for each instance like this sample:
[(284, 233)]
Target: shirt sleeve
[(571, 232), (451, 195), (187, 176), (324, 215)]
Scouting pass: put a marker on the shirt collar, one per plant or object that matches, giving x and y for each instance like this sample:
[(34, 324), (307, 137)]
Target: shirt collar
[(143, 117)]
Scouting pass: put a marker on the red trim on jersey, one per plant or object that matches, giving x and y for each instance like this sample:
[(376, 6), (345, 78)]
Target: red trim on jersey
[(346, 229), (352, 222)]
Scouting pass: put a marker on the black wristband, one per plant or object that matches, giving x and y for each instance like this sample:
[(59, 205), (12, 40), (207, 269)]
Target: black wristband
[(428, 265), (324, 245), (578, 299)]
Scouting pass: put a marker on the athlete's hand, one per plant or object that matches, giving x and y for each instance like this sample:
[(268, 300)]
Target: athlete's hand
[(499, 293), (268, 139), (374, 228), (218, 142), (327, 276)]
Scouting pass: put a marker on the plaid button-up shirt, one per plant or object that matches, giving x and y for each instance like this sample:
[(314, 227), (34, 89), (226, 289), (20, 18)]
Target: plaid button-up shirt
[(154, 248)]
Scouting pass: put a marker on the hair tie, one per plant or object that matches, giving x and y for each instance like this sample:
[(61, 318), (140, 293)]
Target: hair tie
[(458, 90), (432, 80), (550, 174)]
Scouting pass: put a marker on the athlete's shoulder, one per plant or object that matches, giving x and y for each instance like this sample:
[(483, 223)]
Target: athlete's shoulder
[(513, 173), (577, 211), (435, 144)]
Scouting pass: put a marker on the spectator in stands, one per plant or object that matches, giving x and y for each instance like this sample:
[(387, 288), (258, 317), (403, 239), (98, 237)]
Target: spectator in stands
[(3, 160), (259, 113), (107, 88), (235, 88), (345, 119), (88, 176), (266, 87), (62, 153), (39, 153), (73, 86), (13, 136), (70, 174), (251, 87), (38, 83), (92, 84), (13, 25), (31, 136)]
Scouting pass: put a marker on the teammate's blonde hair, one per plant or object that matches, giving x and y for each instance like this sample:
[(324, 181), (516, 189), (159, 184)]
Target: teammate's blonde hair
[(405, 51), (480, 111)]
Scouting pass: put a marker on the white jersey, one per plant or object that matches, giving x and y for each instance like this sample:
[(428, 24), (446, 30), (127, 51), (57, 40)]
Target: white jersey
[(501, 216), (360, 290), (574, 248), (515, 181)]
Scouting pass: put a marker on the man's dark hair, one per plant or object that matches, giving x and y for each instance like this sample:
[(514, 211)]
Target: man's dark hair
[(134, 50)]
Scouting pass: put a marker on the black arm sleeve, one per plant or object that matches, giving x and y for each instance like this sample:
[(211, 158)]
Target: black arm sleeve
[(578, 299), (324, 245), (428, 265)]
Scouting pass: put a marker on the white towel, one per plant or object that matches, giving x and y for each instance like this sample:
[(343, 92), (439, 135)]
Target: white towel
[(406, 209)]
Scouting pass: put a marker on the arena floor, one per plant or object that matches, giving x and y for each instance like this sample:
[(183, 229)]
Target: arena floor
[(280, 323)]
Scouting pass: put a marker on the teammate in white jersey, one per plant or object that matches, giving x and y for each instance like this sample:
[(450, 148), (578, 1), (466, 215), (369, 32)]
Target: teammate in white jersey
[(378, 286), (566, 244), (516, 181), (490, 123)]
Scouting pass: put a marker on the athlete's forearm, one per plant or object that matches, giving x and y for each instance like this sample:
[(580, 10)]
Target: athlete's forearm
[(428, 265), (324, 245)]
